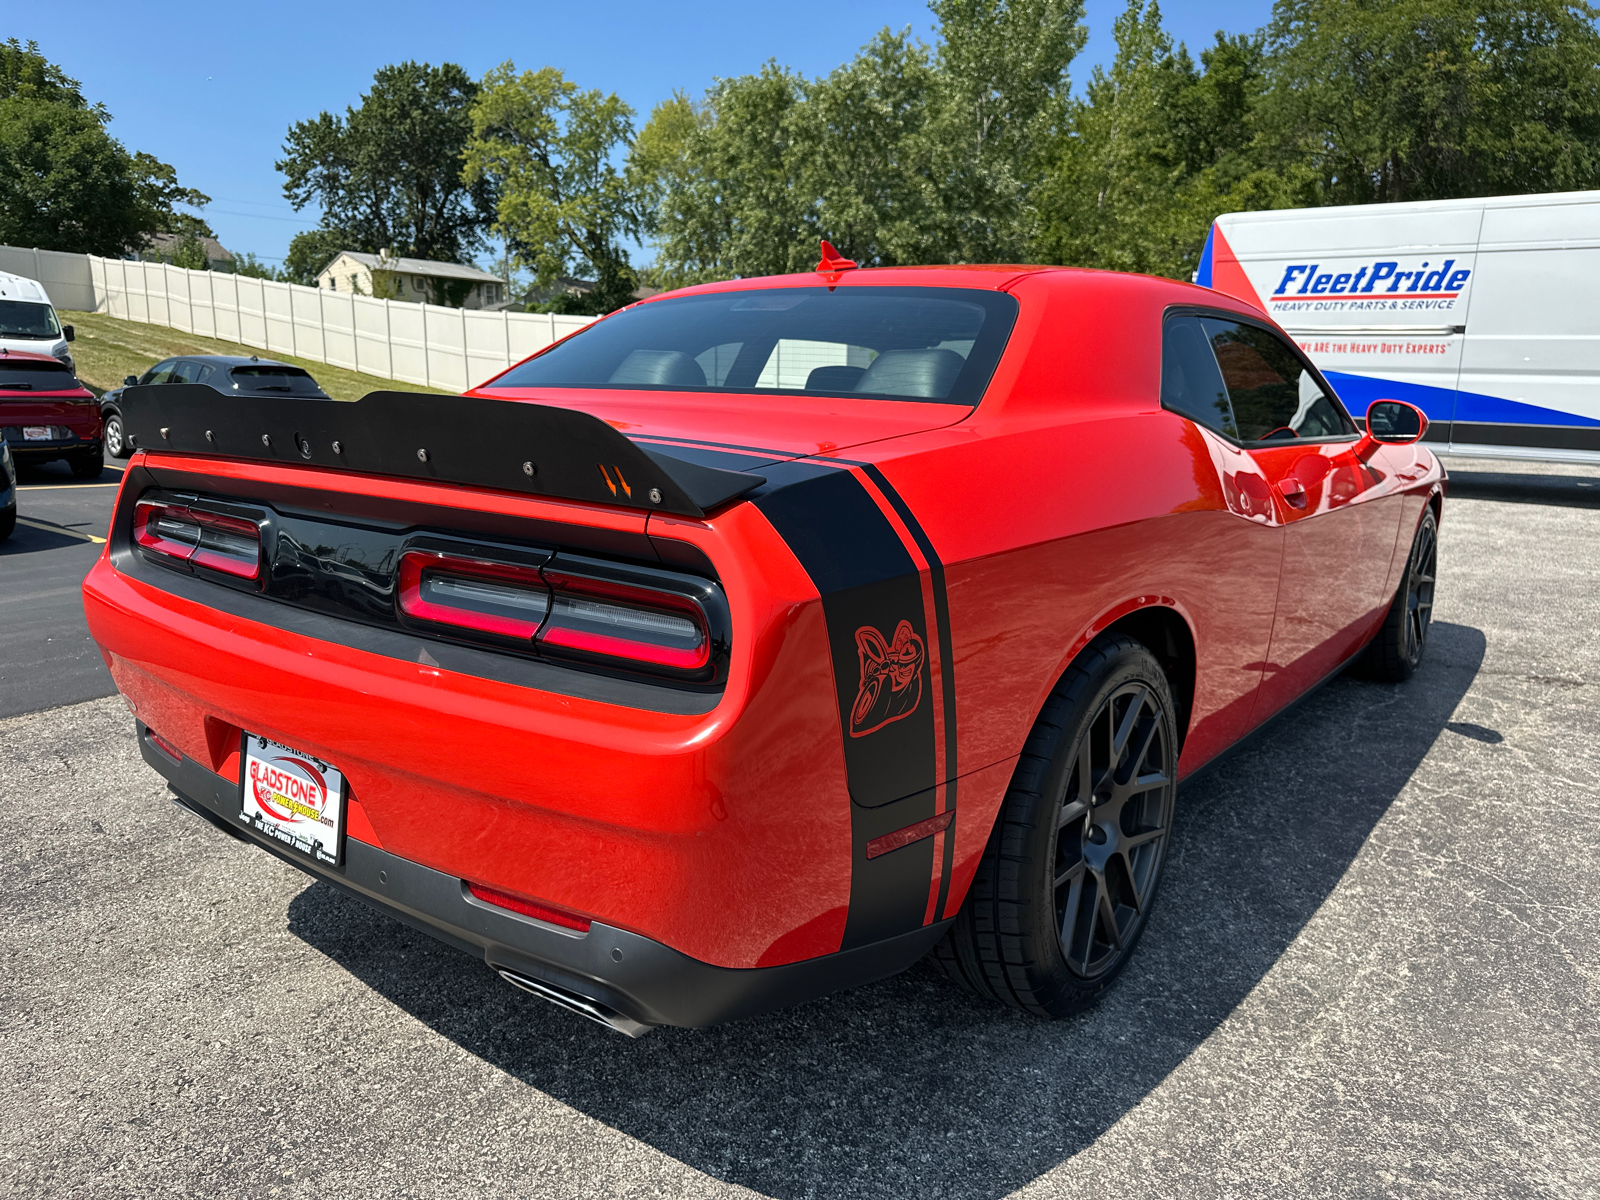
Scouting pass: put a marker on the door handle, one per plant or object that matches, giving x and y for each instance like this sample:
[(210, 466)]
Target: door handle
[(1293, 491)]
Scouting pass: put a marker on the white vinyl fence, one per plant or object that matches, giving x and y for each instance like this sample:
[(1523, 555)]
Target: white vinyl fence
[(448, 348)]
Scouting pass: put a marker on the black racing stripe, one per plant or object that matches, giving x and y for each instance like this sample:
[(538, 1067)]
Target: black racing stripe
[(872, 603), (947, 668)]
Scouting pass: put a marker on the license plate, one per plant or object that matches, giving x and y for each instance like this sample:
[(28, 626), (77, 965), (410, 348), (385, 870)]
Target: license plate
[(36, 433), (293, 797)]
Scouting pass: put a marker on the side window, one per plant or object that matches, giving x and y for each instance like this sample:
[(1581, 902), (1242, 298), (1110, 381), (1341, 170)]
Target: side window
[(160, 373), (186, 372), (1191, 384), (206, 371), (1273, 395)]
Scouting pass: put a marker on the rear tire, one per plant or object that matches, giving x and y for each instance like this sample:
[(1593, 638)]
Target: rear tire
[(87, 466), (1395, 652), (1066, 883)]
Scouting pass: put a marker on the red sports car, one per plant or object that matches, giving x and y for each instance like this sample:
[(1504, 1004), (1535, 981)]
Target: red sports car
[(767, 636)]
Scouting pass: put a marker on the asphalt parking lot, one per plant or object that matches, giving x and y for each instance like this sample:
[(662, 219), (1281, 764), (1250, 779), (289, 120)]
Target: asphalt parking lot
[(1374, 968)]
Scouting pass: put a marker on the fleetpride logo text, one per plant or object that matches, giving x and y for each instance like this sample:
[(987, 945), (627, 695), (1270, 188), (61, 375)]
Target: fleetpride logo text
[(1441, 282)]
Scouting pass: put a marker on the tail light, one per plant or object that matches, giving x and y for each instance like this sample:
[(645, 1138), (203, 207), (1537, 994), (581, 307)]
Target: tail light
[(590, 611), (604, 619), (184, 534), (502, 599)]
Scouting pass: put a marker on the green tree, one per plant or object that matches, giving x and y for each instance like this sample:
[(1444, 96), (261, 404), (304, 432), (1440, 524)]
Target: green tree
[(1157, 147), (728, 203), (388, 174), (65, 183), (547, 149), (249, 265), (1430, 99), (25, 72), (1003, 96), (313, 249)]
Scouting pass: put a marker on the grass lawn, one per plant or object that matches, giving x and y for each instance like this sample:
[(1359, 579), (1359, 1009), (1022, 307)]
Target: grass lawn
[(107, 349)]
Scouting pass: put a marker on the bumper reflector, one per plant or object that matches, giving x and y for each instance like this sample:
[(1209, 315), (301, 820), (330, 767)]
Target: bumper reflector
[(911, 833), (529, 908)]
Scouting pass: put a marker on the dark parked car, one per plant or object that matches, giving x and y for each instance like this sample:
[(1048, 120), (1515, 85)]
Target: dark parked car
[(228, 374)]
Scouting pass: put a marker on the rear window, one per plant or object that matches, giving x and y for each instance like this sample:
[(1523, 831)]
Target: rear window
[(877, 343), (288, 381), (36, 377)]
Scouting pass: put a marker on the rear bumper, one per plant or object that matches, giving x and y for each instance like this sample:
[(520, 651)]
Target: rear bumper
[(24, 452), (643, 980)]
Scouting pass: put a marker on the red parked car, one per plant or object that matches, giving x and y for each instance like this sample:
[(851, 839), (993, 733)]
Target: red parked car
[(45, 414), (766, 636)]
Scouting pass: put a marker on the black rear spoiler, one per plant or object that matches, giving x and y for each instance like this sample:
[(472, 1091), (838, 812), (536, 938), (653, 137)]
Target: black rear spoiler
[(508, 444)]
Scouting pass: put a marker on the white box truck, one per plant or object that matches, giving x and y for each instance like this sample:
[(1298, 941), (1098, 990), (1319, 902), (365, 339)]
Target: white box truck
[(1483, 313)]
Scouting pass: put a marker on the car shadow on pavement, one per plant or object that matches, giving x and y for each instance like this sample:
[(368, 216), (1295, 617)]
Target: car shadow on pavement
[(910, 1087)]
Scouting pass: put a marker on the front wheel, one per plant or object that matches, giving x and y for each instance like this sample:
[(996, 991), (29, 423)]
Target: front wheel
[(1066, 883), (1395, 652)]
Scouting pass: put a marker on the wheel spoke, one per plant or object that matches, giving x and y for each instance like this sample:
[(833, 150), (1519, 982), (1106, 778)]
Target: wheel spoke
[(1125, 730), (1147, 782), (1137, 760), (1071, 873), (1133, 884), (1069, 924), (1071, 812), (1108, 915), (1140, 839)]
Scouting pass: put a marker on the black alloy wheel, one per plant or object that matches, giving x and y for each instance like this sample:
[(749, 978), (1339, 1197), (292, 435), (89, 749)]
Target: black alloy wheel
[(1067, 881), (116, 442), (1396, 650), (1112, 828)]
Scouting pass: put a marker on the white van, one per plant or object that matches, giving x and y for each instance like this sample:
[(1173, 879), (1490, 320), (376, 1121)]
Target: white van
[(28, 320), (1483, 313)]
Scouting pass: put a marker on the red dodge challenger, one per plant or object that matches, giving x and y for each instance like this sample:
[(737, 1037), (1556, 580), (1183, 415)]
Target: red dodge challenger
[(765, 637)]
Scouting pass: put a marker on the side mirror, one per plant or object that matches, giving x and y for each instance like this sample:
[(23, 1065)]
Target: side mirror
[(1393, 423), (69, 333), (130, 381)]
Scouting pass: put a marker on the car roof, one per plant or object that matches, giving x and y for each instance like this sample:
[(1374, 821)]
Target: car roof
[(989, 276), (231, 360)]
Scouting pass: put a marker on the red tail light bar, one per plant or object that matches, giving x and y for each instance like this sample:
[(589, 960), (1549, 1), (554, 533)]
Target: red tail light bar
[(183, 534), (579, 609)]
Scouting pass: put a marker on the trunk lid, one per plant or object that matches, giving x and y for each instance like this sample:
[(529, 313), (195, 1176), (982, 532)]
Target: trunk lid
[(761, 429)]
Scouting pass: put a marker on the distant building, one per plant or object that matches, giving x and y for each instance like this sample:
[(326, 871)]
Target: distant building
[(566, 285), (416, 279), (162, 246)]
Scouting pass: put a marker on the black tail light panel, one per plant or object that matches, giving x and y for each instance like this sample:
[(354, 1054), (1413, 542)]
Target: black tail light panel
[(597, 613)]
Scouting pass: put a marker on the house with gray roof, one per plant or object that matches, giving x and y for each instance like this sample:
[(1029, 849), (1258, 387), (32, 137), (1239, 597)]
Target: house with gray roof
[(419, 280)]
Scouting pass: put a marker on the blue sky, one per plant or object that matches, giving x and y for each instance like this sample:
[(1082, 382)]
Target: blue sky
[(211, 88)]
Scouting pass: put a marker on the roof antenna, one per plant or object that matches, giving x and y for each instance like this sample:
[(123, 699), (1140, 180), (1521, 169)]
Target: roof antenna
[(832, 261)]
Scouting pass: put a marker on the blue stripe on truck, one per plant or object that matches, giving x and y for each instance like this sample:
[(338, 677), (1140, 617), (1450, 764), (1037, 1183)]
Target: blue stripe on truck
[(1447, 404)]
